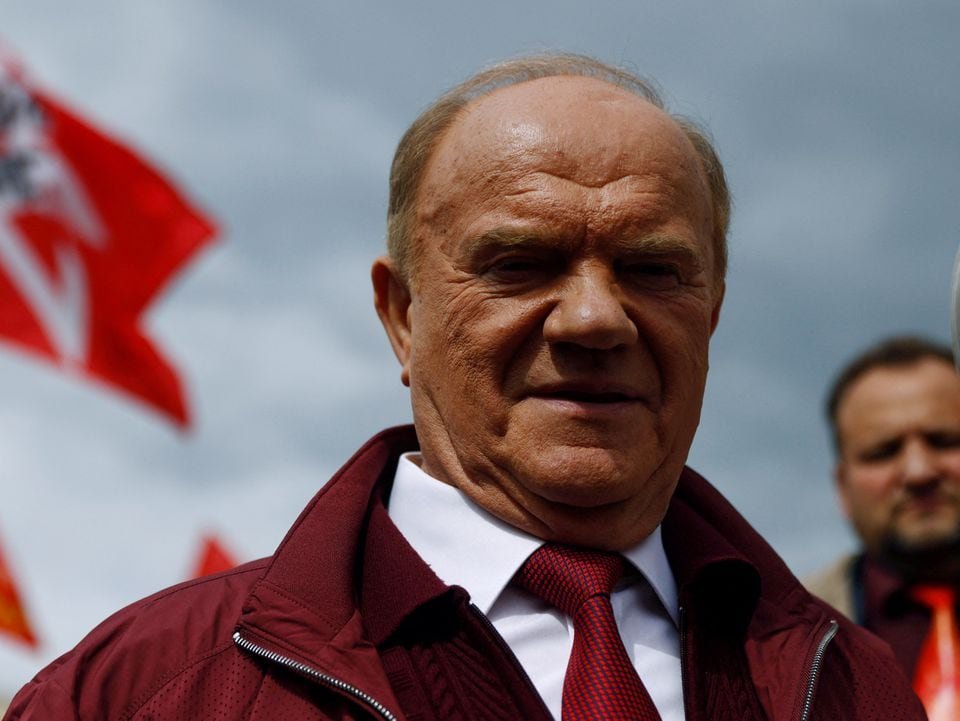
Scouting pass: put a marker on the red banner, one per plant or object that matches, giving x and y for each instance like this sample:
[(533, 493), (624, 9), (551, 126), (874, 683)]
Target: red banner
[(89, 235), (213, 558), (13, 619)]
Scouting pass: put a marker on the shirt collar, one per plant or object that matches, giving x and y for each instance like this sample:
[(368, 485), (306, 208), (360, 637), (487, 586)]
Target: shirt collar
[(467, 546)]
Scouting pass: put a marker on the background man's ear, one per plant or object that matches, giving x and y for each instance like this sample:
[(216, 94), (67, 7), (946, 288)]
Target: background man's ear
[(840, 479), (392, 300)]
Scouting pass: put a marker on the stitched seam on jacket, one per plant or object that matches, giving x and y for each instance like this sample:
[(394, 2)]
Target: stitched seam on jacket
[(335, 627)]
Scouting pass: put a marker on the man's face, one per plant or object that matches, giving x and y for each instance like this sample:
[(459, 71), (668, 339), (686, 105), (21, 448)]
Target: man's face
[(559, 315), (899, 468)]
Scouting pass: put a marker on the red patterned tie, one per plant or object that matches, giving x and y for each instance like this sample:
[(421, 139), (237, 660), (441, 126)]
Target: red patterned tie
[(601, 683), (937, 677)]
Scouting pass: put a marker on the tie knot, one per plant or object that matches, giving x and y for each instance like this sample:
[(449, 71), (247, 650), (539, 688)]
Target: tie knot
[(565, 577), (934, 597)]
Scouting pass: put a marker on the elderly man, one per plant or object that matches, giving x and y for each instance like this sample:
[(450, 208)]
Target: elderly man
[(533, 547), (895, 416)]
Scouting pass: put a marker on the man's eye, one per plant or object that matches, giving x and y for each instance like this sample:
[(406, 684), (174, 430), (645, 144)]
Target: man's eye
[(880, 453), (944, 440), (656, 275), (515, 268), (514, 265)]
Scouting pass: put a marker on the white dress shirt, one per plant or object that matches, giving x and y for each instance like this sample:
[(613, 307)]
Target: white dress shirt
[(468, 547)]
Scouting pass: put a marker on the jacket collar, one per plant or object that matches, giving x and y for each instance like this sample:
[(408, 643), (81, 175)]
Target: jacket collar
[(305, 607), (308, 604), (721, 561)]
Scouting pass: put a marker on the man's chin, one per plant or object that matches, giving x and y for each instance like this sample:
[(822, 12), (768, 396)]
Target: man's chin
[(927, 559), (603, 528)]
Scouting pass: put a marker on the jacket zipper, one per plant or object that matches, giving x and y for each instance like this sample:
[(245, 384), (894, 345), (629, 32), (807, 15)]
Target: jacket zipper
[(815, 669), (312, 673)]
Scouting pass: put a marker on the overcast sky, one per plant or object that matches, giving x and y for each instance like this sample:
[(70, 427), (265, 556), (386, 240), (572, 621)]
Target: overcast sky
[(837, 123)]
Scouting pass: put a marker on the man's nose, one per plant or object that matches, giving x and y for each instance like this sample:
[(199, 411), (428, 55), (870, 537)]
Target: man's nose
[(590, 313), (918, 462)]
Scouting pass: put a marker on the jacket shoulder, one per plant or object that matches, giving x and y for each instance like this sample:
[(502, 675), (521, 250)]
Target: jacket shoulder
[(862, 680), (135, 652), (834, 584)]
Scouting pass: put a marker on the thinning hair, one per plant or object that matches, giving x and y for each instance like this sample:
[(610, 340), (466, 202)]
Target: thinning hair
[(893, 352), (417, 144)]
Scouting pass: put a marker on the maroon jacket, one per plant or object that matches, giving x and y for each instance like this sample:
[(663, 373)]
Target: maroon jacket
[(345, 621)]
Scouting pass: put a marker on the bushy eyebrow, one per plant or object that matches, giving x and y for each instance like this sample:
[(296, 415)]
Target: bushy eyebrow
[(646, 246), (504, 238), (666, 246)]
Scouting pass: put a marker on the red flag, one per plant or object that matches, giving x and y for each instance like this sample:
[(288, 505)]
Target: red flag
[(89, 234), (213, 558), (13, 619)]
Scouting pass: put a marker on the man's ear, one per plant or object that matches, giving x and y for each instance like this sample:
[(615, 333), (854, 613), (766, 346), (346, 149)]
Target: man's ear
[(840, 480), (391, 297)]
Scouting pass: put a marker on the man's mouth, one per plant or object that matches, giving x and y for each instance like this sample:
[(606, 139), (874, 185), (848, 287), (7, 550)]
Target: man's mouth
[(587, 397), (588, 393), (927, 502)]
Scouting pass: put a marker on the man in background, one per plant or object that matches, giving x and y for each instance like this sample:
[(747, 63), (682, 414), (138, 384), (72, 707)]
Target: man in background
[(894, 413), (533, 547)]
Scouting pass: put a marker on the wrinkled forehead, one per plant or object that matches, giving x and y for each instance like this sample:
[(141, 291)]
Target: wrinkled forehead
[(594, 126), (923, 394), (562, 149)]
